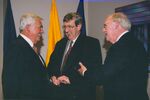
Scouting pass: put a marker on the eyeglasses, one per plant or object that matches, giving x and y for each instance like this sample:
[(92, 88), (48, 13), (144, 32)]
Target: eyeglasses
[(69, 27)]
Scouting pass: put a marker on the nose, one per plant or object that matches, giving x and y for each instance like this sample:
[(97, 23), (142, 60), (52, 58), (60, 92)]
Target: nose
[(66, 30), (42, 31), (104, 30)]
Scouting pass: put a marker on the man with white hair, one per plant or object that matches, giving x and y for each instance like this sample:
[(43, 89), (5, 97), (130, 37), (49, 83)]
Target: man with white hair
[(24, 76), (124, 73)]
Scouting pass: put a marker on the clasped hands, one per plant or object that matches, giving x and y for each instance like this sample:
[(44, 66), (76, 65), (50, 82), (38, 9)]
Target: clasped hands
[(60, 80), (64, 79)]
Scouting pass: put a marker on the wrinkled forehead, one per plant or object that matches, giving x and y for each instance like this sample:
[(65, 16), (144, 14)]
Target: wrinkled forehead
[(70, 22), (108, 21)]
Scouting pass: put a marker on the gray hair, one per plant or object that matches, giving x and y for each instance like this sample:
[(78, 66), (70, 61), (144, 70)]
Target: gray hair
[(71, 16), (28, 19), (122, 19)]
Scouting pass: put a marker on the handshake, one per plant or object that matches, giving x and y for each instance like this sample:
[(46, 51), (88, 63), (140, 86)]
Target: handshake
[(65, 79), (60, 80)]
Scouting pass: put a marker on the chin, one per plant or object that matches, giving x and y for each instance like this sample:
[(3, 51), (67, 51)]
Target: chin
[(69, 38), (38, 40)]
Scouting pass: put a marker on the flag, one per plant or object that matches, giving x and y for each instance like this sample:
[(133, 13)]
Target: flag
[(9, 28), (80, 11), (54, 32)]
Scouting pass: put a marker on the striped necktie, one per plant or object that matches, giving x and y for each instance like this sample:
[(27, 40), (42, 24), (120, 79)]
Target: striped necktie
[(66, 56)]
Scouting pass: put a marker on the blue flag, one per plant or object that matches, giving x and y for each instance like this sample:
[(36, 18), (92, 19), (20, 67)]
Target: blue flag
[(9, 28), (80, 11)]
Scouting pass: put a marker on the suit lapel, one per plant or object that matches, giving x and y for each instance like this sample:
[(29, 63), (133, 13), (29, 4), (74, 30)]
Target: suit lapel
[(30, 50), (75, 53), (42, 60)]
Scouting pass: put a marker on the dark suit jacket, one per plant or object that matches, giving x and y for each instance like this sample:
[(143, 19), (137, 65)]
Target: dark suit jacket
[(86, 50), (125, 70), (24, 76)]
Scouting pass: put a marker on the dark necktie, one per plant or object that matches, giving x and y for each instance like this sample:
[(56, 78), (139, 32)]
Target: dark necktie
[(41, 58), (66, 56)]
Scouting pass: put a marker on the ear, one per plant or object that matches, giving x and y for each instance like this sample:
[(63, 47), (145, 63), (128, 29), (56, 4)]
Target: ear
[(79, 27), (27, 28), (115, 25)]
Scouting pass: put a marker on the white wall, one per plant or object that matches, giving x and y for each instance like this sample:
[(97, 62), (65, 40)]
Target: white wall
[(1, 44), (42, 8), (95, 13)]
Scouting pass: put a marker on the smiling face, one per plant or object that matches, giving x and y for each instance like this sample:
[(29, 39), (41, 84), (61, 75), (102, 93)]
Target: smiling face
[(35, 31), (71, 30), (109, 30), (115, 25)]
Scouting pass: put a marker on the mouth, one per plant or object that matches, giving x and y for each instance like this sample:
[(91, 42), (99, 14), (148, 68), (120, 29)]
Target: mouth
[(39, 34), (105, 34), (67, 33)]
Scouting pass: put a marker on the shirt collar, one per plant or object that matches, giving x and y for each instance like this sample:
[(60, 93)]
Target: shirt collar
[(121, 35), (27, 39), (74, 40)]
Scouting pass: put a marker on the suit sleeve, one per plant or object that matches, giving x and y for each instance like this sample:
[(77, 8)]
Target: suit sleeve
[(93, 61), (118, 58), (90, 57), (55, 61)]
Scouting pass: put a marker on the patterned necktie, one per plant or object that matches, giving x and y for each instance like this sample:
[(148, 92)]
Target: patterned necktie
[(66, 56)]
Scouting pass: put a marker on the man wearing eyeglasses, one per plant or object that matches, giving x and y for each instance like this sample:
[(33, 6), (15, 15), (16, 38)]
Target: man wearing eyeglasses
[(64, 62)]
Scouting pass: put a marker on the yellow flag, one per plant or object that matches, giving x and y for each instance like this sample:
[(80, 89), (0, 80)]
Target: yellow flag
[(54, 32)]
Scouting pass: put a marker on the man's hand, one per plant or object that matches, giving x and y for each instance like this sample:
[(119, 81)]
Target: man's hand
[(64, 79), (55, 81), (82, 69)]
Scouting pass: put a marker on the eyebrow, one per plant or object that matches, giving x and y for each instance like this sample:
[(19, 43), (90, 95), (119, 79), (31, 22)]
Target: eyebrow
[(41, 26), (105, 25)]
